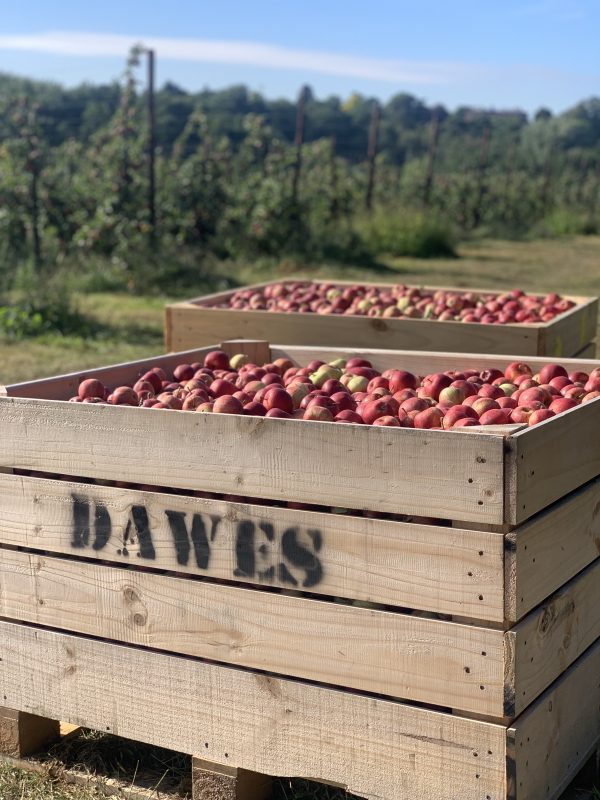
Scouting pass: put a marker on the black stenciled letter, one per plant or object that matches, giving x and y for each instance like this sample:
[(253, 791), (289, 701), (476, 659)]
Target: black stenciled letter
[(300, 556), (81, 524), (245, 550), (181, 537), (139, 517)]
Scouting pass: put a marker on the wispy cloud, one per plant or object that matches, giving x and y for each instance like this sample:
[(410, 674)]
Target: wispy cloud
[(243, 53), (563, 10)]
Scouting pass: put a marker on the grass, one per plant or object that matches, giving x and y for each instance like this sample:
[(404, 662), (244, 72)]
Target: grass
[(126, 327)]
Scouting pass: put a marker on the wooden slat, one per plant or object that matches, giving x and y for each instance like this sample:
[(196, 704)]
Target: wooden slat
[(61, 387), (379, 749), (195, 326), (257, 350), (394, 654), (551, 548), (588, 352), (553, 636), (554, 458), (428, 567), (549, 743), (570, 332), (427, 473)]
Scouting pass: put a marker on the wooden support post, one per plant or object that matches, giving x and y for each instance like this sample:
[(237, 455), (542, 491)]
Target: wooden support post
[(217, 782), (22, 734)]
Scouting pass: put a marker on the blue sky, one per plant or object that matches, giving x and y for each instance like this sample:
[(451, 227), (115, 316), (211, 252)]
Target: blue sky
[(492, 53)]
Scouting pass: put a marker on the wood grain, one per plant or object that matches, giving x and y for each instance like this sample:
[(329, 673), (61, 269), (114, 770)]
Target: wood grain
[(553, 636), (427, 473), (554, 458), (393, 654), (378, 749), (550, 742), (427, 567), (552, 548)]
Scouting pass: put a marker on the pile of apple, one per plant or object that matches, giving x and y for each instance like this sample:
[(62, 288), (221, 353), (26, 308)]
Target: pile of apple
[(352, 391), (303, 297)]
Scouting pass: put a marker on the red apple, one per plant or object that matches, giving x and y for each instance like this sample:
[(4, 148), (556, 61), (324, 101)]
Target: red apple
[(318, 414), (346, 415), (561, 404), (430, 418), (540, 415), (227, 404), (124, 396), (216, 359), (92, 387), (495, 416)]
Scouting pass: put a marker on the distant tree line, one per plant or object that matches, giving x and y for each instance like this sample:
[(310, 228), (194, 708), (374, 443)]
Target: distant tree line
[(238, 175)]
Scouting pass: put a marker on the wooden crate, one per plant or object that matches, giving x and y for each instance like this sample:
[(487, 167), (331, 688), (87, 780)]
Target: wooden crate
[(195, 323), (453, 654)]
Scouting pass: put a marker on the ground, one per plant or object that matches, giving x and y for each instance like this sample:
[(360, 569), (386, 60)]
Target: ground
[(129, 327)]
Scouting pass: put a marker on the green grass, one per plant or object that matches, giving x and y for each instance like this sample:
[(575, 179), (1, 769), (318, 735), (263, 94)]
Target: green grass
[(126, 327)]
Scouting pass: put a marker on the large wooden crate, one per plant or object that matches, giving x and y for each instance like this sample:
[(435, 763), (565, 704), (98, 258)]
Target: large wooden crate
[(196, 323), (438, 640)]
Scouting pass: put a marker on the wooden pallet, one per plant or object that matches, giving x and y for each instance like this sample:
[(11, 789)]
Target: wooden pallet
[(453, 654), (196, 323)]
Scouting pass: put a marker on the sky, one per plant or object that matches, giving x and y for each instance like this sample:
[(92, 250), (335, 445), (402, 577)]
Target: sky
[(488, 53)]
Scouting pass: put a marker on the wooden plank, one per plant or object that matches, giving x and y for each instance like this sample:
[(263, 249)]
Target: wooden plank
[(379, 749), (428, 567), (553, 636), (549, 743), (194, 326), (588, 352), (257, 350), (61, 387), (22, 733), (395, 470), (393, 654), (552, 548), (554, 458), (571, 331), (214, 782)]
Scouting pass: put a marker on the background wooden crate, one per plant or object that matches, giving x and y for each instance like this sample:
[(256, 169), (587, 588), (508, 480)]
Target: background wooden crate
[(489, 626), (195, 324)]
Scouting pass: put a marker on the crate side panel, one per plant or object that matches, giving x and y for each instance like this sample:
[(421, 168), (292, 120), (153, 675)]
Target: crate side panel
[(394, 654), (427, 567), (554, 458), (554, 546), (572, 331), (555, 634), (556, 735), (427, 473), (196, 326), (378, 749)]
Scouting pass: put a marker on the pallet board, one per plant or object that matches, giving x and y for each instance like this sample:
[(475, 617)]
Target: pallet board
[(196, 322), (380, 750)]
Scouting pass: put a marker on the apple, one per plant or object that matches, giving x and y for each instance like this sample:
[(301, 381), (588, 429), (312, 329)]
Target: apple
[(277, 397), (430, 418), (400, 379), (451, 396), (483, 404), (540, 415), (227, 404), (495, 416), (216, 359), (346, 415), (387, 422), (318, 414), (221, 387), (92, 387), (549, 371), (465, 422), (515, 369), (123, 396), (561, 404)]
